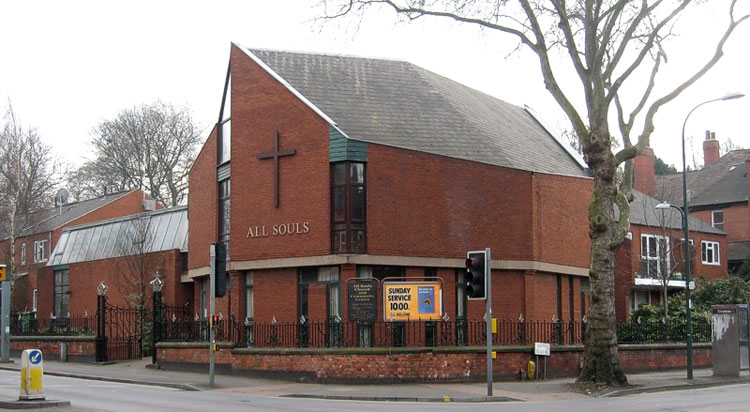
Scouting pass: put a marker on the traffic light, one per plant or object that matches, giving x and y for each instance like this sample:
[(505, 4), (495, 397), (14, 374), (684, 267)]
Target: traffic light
[(220, 250), (475, 279), (215, 321)]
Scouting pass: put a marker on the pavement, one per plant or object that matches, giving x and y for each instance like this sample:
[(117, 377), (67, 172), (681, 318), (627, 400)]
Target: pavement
[(141, 372)]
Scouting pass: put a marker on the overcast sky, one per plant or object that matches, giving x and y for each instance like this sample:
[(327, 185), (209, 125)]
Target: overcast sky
[(68, 65)]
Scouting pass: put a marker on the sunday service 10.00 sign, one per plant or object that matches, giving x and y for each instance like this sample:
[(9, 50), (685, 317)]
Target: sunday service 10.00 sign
[(412, 301)]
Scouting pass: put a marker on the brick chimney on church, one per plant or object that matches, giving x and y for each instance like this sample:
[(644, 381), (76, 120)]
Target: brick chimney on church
[(643, 173), (710, 149)]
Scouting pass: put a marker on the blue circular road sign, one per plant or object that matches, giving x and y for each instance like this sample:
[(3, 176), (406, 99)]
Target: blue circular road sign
[(35, 357)]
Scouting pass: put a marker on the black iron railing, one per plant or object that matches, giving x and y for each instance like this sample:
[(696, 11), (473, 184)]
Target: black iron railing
[(28, 324), (333, 333)]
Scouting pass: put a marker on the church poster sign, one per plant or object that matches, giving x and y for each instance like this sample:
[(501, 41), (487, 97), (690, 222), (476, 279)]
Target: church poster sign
[(412, 301), (362, 302)]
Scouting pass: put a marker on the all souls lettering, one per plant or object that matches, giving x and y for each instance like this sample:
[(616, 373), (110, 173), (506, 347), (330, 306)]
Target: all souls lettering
[(282, 229)]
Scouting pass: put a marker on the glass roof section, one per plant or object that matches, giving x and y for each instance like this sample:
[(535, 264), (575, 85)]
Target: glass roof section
[(156, 231)]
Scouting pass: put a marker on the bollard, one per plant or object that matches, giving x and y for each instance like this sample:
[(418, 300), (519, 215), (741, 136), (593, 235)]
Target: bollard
[(63, 351), (531, 370), (31, 375)]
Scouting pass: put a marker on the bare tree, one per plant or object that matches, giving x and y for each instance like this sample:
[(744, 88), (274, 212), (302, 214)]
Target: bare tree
[(662, 255), (27, 178), (149, 147), (606, 42), (728, 146), (135, 246)]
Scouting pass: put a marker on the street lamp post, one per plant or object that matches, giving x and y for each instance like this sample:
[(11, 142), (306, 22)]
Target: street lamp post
[(684, 211)]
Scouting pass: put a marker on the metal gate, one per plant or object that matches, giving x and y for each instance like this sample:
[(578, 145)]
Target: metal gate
[(119, 331)]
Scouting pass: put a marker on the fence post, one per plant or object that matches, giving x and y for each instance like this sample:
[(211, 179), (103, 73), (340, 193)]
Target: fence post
[(101, 321), (156, 285)]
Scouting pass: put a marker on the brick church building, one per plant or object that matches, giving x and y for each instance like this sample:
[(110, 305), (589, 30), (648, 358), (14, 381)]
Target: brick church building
[(326, 168)]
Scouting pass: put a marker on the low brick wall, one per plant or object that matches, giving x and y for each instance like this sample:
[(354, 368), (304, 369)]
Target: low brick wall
[(411, 364), (80, 348)]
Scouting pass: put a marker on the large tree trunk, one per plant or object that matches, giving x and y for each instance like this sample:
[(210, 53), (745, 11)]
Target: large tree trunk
[(601, 364)]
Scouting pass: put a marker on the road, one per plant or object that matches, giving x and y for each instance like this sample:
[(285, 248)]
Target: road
[(89, 395)]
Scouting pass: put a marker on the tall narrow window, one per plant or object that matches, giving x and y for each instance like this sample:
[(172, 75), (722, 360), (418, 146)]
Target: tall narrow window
[(461, 324), (34, 301), (717, 219), (61, 297), (23, 253), (40, 251), (249, 310), (224, 210), (348, 207), (225, 124)]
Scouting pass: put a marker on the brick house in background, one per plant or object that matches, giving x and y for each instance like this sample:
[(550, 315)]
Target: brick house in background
[(328, 168), (125, 253), (653, 255), (717, 195), (34, 282)]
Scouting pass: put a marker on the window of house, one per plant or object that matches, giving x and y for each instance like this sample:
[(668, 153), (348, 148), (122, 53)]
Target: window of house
[(40, 251), (34, 300), (710, 253), (461, 300), (224, 210), (638, 298), (717, 219), (654, 255), (249, 309), (204, 286), (61, 293), (348, 214), (23, 253), (225, 124), (312, 281)]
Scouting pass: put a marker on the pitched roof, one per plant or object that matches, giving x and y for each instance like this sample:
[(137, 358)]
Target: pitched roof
[(643, 212), (669, 187), (160, 230), (53, 218), (739, 250), (396, 103), (730, 188)]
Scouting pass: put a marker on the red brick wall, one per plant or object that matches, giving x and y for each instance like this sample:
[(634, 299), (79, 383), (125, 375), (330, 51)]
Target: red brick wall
[(202, 204), (85, 276), (736, 221), (78, 349), (561, 229), (126, 205), (394, 365), (260, 107), (275, 295)]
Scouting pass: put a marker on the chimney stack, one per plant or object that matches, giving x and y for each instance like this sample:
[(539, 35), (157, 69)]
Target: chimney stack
[(643, 173), (710, 149)]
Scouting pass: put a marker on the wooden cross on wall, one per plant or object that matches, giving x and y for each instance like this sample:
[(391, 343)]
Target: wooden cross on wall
[(275, 155)]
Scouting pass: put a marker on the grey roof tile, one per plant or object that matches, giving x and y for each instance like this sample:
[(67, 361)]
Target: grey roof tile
[(396, 103), (643, 212), (53, 218), (730, 188), (669, 187)]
